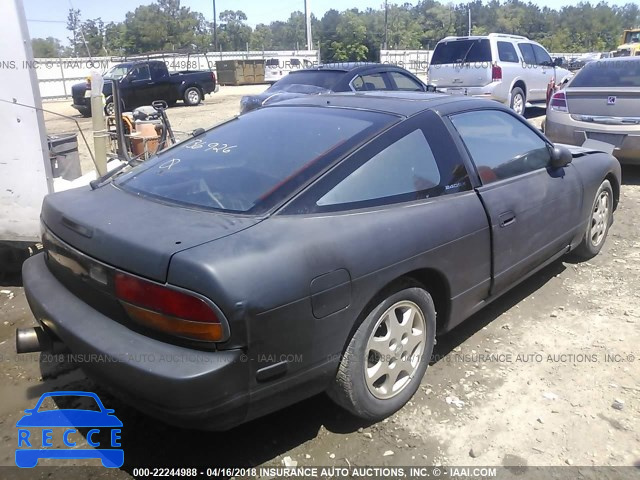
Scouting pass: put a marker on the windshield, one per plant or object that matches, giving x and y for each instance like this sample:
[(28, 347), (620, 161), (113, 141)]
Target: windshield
[(116, 72), (461, 51), (610, 73), (252, 162), (320, 78), (632, 37)]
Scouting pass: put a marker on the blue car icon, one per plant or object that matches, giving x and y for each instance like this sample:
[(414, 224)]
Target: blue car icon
[(31, 447)]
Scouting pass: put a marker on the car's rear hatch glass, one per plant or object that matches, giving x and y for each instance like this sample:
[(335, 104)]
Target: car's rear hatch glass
[(461, 63), (462, 51), (320, 78), (253, 162), (609, 88)]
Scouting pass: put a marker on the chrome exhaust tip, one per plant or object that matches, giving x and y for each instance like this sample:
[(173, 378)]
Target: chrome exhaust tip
[(33, 339)]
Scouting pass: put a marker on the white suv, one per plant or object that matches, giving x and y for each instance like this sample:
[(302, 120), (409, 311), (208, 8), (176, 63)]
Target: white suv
[(508, 68)]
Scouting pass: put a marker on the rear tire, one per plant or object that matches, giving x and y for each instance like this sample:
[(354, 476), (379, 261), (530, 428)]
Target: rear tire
[(518, 101), (599, 222), (384, 363), (192, 96)]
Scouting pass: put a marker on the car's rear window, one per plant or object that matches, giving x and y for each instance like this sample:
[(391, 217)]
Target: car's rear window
[(462, 51), (319, 78), (252, 162), (610, 73)]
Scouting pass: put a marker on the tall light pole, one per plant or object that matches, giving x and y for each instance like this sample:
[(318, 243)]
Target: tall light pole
[(386, 12), (469, 19), (215, 30), (307, 14)]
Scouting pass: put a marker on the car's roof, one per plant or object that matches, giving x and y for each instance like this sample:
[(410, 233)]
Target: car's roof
[(619, 59), (394, 102), (344, 66)]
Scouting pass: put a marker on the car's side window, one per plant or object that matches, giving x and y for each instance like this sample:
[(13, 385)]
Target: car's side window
[(507, 52), (371, 81), (140, 73), (542, 57), (405, 83), (407, 166), (527, 53), (157, 71), (500, 145)]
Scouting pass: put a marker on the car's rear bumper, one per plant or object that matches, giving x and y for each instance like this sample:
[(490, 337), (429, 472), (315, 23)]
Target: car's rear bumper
[(182, 386), (560, 127), (492, 91), (83, 106)]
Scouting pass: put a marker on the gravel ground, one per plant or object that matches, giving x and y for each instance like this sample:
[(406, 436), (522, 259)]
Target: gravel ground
[(548, 375)]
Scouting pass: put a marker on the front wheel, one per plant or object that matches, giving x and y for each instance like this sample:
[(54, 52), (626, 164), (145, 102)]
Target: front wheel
[(192, 96), (387, 356), (109, 107), (599, 222), (518, 101)]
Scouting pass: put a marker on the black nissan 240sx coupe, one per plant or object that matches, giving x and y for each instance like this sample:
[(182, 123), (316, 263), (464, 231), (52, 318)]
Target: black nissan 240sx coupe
[(319, 244)]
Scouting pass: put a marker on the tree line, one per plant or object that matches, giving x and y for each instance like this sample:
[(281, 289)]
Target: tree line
[(351, 34)]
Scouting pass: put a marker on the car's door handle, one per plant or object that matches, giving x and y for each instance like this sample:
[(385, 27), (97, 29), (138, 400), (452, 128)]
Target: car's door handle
[(507, 218)]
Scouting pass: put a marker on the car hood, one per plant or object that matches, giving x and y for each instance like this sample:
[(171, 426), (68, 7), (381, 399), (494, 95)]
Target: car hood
[(131, 232)]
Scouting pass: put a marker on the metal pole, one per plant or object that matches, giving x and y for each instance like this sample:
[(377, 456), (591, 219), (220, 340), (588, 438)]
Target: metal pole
[(469, 20), (307, 13), (98, 124), (386, 13), (215, 29)]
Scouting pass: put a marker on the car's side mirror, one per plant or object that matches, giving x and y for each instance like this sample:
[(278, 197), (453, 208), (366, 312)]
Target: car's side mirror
[(558, 61), (560, 156)]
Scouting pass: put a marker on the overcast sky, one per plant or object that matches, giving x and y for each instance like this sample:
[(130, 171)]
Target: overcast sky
[(48, 17)]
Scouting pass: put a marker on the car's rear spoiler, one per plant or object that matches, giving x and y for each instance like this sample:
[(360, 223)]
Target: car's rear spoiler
[(589, 146)]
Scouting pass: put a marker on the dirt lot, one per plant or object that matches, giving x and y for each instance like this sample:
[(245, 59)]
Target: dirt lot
[(548, 375)]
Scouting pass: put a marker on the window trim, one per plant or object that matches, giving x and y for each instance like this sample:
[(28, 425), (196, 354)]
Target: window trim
[(469, 158)]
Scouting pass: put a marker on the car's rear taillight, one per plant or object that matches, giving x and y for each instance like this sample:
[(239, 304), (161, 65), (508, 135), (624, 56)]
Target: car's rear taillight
[(168, 310), (496, 73), (213, 77), (559, 102)]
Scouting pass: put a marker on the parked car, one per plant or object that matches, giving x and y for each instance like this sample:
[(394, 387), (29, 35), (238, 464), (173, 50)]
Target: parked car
[(319, 244), (580, 61), (145, 81), (335, 77), (602, 102), (511, 69), (275, 68)]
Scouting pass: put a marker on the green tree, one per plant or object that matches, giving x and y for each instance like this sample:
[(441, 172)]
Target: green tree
[(46, 47), (234, 33)]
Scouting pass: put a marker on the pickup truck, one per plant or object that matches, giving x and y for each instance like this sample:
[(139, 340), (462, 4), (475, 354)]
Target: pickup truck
[(142, 82)]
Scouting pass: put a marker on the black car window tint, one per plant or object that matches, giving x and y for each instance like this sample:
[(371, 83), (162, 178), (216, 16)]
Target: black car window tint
[(251, 163), (527, 53), (542, 57), (500, 145), (407, 166), (507, 52), (374, 81), (405, 83)]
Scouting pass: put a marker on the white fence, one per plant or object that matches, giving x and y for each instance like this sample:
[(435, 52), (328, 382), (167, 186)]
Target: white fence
[(416, 61), (57, 75)]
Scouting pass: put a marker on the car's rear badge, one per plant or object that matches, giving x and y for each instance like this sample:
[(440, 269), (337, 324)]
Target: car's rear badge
[(611, 100)]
